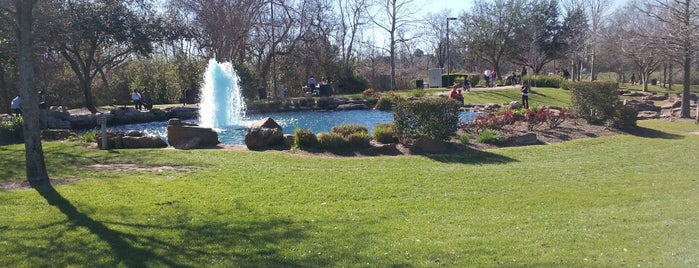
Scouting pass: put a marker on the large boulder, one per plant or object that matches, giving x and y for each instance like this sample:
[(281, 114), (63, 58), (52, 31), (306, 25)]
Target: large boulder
[(264, 133), (352, 106), (522, 139), (133, 142), (183, 135)]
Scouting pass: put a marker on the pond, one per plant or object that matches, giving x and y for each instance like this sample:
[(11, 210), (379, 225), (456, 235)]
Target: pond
[(316, 121)]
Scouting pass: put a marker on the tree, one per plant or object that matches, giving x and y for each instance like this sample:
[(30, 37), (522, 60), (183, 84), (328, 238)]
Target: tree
[(394, 16), (541, 39), (491, 29), (23, 21), (95, 36), (681, 18), (598, 11), (638, 38), (574, 34)]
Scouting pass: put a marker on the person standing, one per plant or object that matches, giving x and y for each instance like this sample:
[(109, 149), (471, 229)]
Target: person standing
[(312, 83), (136, 98), (525, 95), (493, 77), (16, 106), (486, 75)]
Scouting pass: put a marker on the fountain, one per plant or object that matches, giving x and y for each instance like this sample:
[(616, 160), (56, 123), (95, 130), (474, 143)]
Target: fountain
[(222, 103)]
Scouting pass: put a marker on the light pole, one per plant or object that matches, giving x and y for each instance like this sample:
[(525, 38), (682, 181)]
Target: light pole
[(448, 58)]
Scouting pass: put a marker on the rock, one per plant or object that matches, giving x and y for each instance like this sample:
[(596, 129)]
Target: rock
[(528, 138), (656, 98), (515, 105), (671, 105), (429, 146), (288, 140), (56, 134), (133, 142), (492, 106), (182, 135), (352, 106), (642, 115), (264, 133), (642, 106)]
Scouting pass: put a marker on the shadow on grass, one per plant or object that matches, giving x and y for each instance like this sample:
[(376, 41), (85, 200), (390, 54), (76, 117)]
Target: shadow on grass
[(11, 163), (465, 155), (176, 242), (653, 134)]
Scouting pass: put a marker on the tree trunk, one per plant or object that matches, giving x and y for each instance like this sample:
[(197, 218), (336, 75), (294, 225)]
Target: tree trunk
[(34, 153), (685, 84), (669, 77)]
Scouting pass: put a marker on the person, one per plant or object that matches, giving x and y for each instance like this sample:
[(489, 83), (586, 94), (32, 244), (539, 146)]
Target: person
[(456, 95), (633, 79), (467, 85), (16, 106), (136, 98), (566, 74), (525, 95), (493, 77), (486, 74), (312, 83), (147, 101), (523, 74)]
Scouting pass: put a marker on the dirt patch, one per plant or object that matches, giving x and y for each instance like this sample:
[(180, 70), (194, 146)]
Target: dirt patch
[(23, 184), (134, 167)]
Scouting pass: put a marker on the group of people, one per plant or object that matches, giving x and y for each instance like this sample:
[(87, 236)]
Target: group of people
[(141, 101), (314, 88)]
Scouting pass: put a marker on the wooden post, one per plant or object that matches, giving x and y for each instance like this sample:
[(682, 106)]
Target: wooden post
[(102, 121)]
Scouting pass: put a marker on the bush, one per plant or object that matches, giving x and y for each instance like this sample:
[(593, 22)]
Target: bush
[(349, 129), (593, 101), (434, 118), (418, 93), (304, 139), (490, 137), (386, 102), (625, 117), (474, 79), (385, 133), (331, 141), (464, 139), (359, 140), (11, 131), (554, 81)]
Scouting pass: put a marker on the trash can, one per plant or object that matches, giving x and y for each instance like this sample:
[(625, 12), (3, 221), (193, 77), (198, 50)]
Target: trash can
[(419, 83)]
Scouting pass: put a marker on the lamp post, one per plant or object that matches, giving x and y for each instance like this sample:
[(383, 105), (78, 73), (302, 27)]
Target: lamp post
[(448, 58)]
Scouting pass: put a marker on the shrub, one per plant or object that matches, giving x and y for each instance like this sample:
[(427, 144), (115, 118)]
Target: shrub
[(385, 133), (418, 93), (625, 117), (554, 81), (494, 121), (434, 118), (464, 139), (474, 79), (89, 136), (594, 101), (331, 141), (304, 139), (349, 129), (386, 102), (490, 137), (359, 139), (555, 119), (11, 131)]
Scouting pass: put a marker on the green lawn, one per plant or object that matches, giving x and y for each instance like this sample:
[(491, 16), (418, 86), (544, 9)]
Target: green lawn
[(627, 200), (538, 96)]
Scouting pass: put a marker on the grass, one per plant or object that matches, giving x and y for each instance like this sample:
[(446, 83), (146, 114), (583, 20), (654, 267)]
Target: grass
[(628, 200), (538, 96)]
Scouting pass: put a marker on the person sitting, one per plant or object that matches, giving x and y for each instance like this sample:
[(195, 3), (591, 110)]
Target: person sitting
[(456, 95)]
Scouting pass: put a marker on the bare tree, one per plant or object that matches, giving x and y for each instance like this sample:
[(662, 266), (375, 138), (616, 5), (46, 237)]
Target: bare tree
[(352, 21), (598, 12), (639, 38), (681, 18), (394, 16)]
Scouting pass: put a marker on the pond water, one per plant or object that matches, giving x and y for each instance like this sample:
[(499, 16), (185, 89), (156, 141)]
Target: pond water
[(316, 121)]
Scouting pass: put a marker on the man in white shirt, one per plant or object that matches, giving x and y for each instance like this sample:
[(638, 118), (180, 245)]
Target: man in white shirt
[(16, 106), (136, 98)]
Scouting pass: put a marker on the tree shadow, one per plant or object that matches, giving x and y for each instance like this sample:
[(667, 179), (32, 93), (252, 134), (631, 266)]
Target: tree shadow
[(653, 133), (458, 153), (172, 242)]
